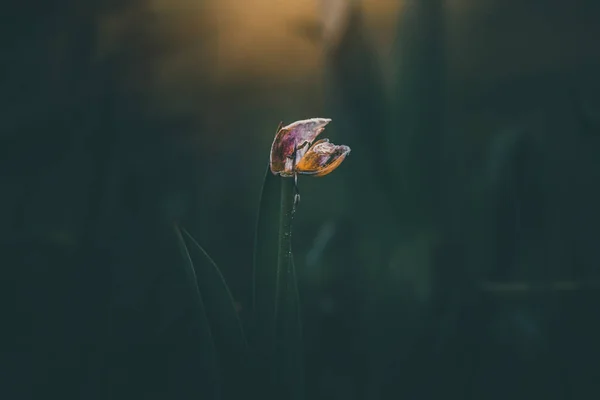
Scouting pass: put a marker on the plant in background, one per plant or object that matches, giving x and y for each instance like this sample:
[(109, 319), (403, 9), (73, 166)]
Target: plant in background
[(265, 359)]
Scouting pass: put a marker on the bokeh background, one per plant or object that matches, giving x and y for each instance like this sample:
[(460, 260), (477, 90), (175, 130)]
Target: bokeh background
[(454, 254)]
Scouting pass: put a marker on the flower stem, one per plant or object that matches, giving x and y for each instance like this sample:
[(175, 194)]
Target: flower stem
[(284, 255)]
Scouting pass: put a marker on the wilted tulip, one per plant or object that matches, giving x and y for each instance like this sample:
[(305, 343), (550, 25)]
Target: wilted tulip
[(293, 151)]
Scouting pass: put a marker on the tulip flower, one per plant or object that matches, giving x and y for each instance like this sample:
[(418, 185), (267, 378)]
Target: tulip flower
[(293, 151)]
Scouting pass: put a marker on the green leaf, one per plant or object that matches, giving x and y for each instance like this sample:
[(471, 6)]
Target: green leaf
[(223, 317), (209, 362), (267, 274), (275, 297), (292, 356)]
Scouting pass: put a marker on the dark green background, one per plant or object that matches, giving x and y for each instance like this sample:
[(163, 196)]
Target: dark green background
[(454, 254)]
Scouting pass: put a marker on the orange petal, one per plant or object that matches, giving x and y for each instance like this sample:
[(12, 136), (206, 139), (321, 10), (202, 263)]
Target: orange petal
[(322, 158)]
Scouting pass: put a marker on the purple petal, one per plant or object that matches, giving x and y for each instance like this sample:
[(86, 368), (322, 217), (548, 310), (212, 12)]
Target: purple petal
[(296, 137)]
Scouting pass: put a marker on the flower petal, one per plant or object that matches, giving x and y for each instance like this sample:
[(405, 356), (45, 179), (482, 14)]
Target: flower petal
[(294, 137), (322, 158)]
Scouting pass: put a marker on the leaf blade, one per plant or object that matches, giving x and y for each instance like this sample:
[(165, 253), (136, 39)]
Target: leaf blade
[(266, 259), (210, 363), (275, 297), (292, 350), (229, 337)]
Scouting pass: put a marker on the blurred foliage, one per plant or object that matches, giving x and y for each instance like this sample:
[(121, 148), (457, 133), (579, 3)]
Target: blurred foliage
[(475, 132)]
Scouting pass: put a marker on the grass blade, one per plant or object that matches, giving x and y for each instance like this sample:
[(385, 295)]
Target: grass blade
[(292, 351), (210, 363), (275, 302), (216, 293), (229, 336), (267, 271)]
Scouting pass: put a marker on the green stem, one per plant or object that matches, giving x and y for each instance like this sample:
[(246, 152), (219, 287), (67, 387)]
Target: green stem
[(284, 254)]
